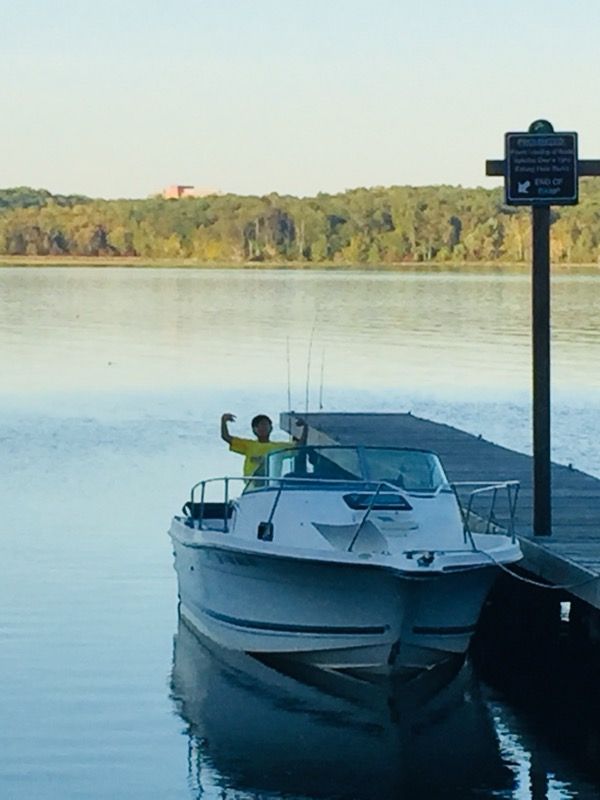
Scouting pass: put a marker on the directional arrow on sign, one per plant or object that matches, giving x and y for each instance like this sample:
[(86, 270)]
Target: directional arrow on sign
[(523, 187)]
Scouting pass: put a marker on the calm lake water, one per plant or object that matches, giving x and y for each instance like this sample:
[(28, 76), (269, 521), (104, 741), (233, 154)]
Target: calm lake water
[(113, 382)]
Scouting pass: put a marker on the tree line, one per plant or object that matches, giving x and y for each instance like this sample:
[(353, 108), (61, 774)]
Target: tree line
[(381, 225)]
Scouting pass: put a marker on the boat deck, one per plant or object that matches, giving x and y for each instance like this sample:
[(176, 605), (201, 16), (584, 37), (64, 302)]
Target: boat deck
[(570, 556)]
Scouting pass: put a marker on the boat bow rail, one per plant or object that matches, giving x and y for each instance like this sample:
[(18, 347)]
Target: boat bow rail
[(487, 507), (484, 507), (366, 495)]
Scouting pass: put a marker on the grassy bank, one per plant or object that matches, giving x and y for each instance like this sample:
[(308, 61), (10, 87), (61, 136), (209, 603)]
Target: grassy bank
[(187, 263)]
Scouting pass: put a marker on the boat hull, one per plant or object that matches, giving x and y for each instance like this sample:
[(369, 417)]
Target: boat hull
[(341, 615)]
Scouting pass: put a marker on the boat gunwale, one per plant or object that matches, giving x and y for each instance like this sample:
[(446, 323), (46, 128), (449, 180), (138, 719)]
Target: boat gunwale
[(479, 559)]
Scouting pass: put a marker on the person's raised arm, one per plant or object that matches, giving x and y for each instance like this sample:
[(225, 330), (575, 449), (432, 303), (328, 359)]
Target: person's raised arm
[(301, 440), (225, 435)]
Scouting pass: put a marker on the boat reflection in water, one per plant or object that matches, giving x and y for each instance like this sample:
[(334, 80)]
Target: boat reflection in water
[(299, 731)]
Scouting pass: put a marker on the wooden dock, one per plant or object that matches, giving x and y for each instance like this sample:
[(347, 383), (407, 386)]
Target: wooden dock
[(569, 556)]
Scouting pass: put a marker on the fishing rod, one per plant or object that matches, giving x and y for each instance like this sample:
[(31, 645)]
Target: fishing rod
[(289, 375), (322, 374), (308, 363)]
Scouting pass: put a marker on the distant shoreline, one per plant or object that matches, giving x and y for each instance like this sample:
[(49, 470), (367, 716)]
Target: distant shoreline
[(138, 262)]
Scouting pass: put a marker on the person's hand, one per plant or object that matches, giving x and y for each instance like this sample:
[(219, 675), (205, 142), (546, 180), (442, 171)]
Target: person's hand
[(228, 418), (302, 437)]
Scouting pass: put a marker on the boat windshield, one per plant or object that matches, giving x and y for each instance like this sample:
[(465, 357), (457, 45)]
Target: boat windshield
[(413, 470), (324, 463)]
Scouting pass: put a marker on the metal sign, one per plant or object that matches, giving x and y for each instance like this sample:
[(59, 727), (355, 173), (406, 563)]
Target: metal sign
[(541, 169)]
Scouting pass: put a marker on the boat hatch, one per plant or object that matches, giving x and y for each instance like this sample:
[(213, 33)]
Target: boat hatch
[(377, 502)]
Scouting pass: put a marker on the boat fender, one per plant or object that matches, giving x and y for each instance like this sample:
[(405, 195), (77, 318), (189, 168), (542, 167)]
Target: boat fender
[(265, 531)]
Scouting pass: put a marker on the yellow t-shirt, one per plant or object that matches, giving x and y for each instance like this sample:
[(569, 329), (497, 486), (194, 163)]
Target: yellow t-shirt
[(255, 451)]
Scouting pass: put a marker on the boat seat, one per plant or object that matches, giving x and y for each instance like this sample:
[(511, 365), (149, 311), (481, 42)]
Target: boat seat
[(327, 471), (307, 478), (210, 510)]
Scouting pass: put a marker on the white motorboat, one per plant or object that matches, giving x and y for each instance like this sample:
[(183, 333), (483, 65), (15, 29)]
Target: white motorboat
[(350, 558)]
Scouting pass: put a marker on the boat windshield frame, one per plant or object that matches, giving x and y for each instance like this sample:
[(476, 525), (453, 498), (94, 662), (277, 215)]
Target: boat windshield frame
[(314, 465)]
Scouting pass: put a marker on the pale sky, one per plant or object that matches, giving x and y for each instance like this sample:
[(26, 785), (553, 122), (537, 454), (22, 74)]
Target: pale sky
[(119, 98)]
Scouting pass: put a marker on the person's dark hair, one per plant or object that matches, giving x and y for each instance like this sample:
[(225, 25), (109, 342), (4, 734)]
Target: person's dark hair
[(260, 418)]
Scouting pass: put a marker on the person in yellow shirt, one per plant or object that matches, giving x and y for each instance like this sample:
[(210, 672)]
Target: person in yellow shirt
[(256, 450)]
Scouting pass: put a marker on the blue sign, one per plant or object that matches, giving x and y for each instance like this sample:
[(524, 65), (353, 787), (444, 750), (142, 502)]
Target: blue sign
[(541, 169)]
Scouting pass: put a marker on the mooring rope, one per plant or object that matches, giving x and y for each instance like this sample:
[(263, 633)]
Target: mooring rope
[(539, 584)]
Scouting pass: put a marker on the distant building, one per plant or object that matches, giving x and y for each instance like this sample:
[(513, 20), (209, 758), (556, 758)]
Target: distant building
[(179, 190)]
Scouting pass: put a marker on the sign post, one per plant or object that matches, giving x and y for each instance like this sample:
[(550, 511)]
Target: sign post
[(540, 169), (540, 316)]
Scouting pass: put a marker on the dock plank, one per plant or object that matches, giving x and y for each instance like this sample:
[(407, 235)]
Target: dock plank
[(570, 556)]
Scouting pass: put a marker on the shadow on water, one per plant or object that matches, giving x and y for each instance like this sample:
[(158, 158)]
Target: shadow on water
[(271, 731)]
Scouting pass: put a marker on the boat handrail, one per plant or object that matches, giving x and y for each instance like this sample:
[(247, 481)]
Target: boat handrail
[(482, 487), (272, 479), (373, 486), (304, 479)]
